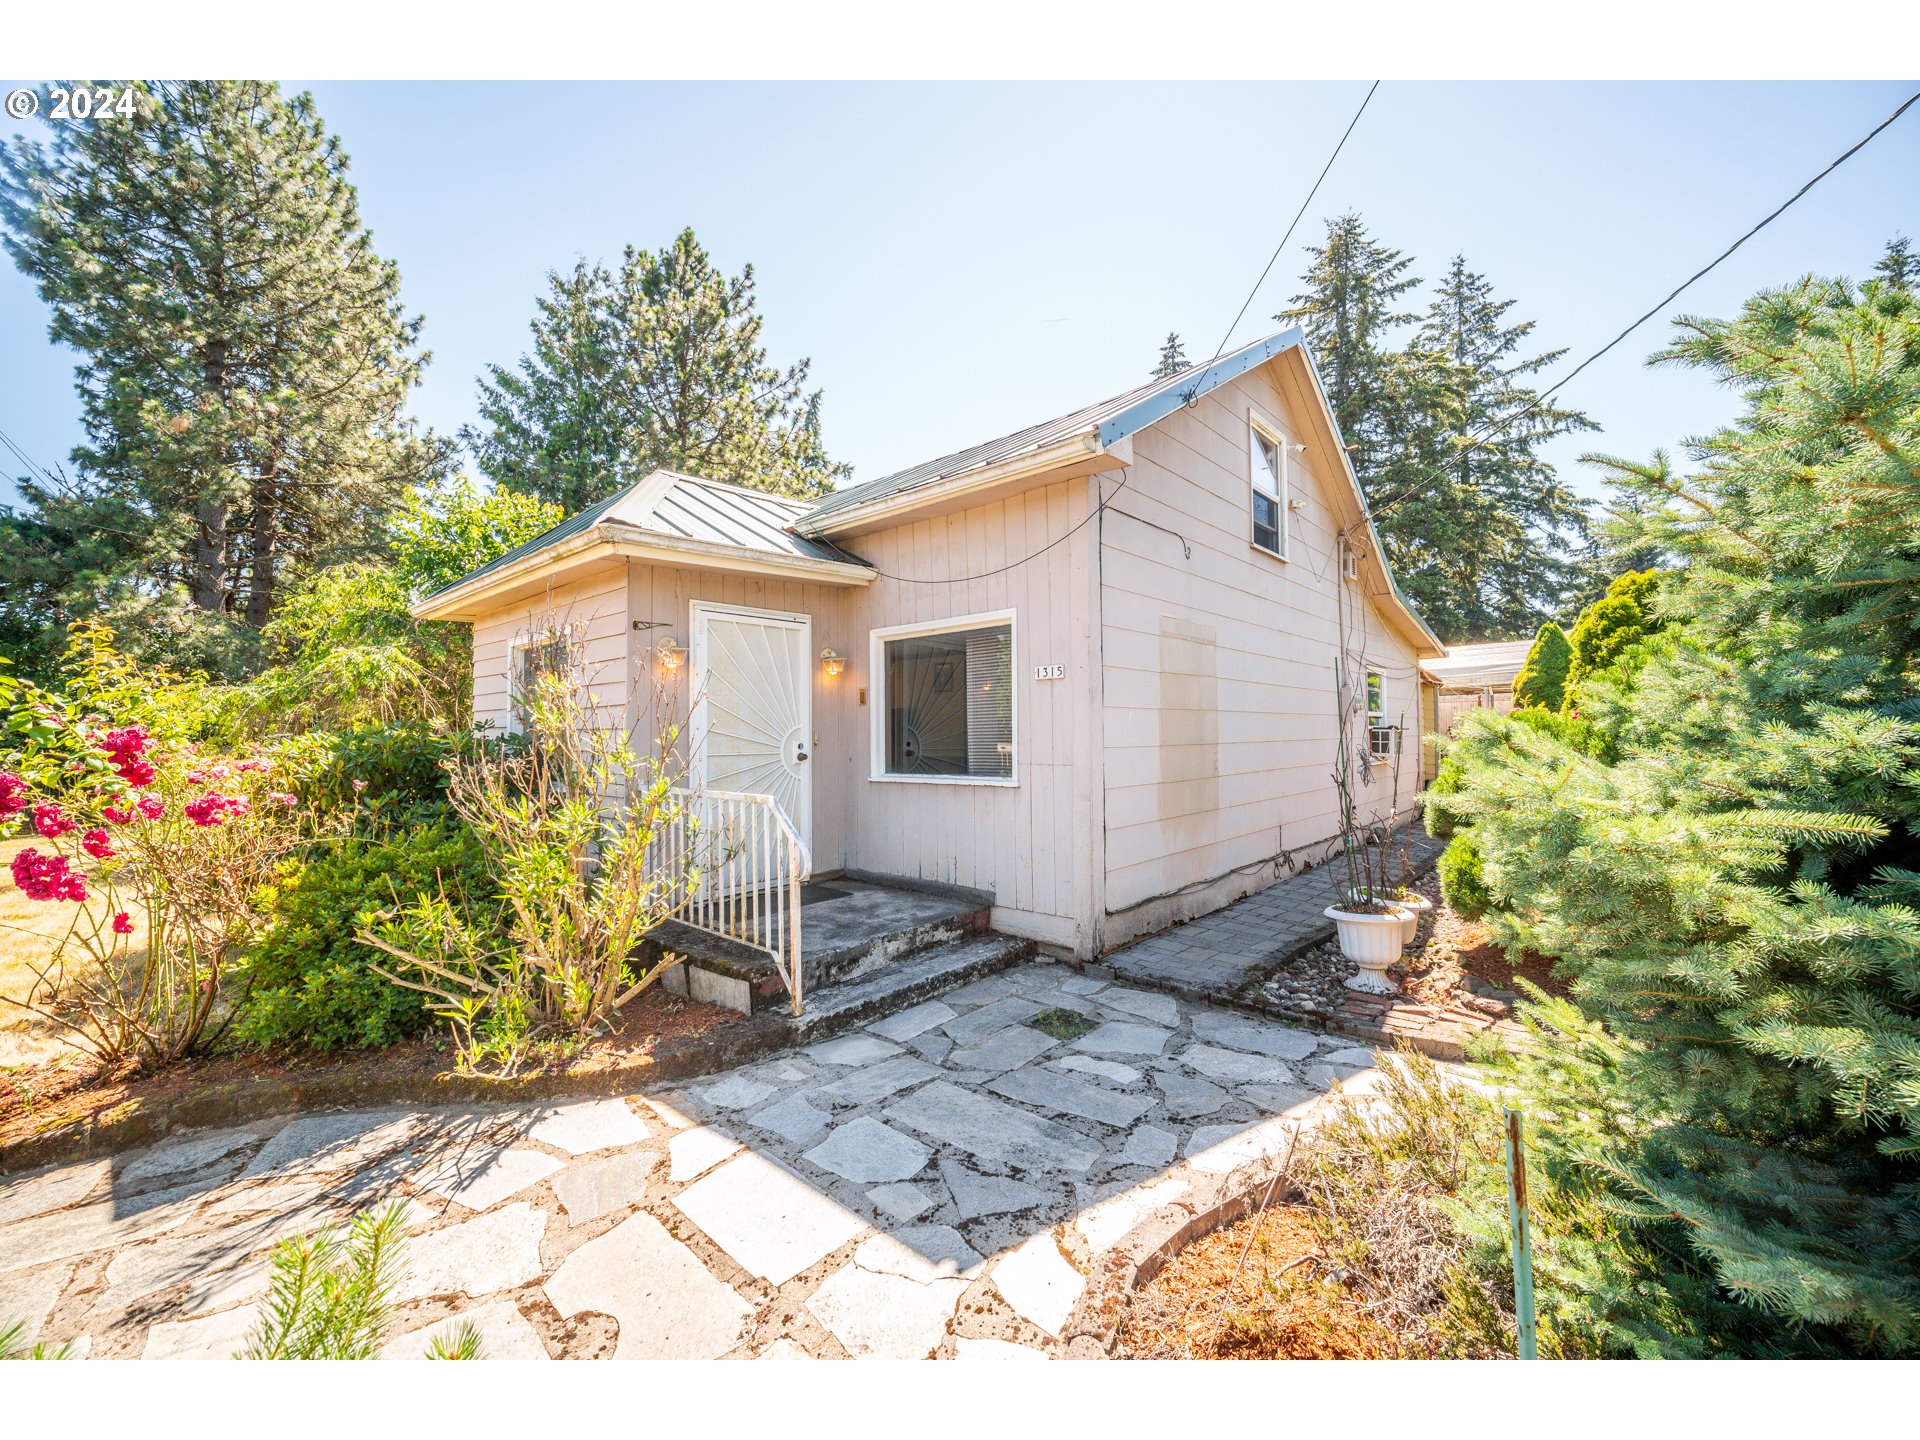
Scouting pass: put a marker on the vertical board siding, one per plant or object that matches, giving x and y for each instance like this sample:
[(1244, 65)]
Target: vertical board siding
[(1218, 664), (1014, 841)]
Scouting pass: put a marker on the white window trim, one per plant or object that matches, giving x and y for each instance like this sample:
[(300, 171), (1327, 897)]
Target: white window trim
[(1259, 424), (519, 646), (877, 669), (1368, 673)]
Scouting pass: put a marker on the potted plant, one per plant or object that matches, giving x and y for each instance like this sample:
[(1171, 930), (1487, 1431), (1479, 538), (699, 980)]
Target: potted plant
[(1372, 926)]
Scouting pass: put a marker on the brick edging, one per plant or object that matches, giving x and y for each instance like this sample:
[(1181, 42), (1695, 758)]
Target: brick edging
[(1092, 1329)]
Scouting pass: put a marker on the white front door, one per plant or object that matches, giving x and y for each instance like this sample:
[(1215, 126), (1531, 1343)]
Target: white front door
[(753, 706)]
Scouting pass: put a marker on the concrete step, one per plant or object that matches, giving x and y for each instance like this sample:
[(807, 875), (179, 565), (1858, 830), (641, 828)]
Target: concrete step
[(863, 930), (908, 981)]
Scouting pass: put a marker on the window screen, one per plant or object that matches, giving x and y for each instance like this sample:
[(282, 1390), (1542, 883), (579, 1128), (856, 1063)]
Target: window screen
[(950, 704)]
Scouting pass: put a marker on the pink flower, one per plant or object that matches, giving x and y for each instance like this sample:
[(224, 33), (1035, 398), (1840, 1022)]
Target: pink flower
[(47, 877), (281, 797), (125, 748), (13, 794), (96, 844), (137, 772), (123, 924), (48, 820), (151, 806), (212, 808), (116, 814)]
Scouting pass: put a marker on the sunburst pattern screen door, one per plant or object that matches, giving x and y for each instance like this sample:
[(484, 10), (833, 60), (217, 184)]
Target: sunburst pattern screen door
[(753, 706)]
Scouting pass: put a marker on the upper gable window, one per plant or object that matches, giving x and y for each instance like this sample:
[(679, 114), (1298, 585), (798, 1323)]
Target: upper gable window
[(1269, 459)]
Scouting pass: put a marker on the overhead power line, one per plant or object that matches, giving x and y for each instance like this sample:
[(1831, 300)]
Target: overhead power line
[(1480, 437), (1244, 304), (1109, 498)]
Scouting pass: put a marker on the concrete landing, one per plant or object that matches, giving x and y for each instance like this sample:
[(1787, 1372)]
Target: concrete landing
[(850, 930)]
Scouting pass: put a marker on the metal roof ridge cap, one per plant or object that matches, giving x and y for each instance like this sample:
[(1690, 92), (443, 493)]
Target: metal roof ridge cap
[(1178, 391)]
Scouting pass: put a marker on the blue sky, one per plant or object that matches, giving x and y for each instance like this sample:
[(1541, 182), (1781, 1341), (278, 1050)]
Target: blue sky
[(961, 260)]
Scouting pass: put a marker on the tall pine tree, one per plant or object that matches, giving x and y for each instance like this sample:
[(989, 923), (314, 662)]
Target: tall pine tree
[(1474, 524), (1350, 312), (246, 360), (657, 365)]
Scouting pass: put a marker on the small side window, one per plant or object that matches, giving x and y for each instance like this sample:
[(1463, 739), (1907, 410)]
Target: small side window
[(1269, 459), (1379, 732)]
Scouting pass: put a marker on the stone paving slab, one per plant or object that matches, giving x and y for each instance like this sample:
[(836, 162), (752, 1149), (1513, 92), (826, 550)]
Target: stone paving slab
[(933, 1185)]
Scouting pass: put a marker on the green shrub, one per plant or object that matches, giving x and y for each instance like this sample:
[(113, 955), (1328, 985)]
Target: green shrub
[(1461, 881), (384, 775), (1443, 821), (310, 981), (1571, 730), (1543, 675), (1622, 617)]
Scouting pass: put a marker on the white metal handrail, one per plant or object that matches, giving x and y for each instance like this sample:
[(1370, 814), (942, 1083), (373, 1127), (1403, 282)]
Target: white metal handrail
[(750, 862)]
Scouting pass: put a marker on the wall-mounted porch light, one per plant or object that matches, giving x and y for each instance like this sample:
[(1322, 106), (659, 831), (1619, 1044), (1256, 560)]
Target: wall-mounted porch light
[(832, 664), (672, 653)]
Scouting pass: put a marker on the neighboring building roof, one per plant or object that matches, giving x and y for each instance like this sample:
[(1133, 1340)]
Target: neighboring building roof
[(1474, 667), (1113, 419)]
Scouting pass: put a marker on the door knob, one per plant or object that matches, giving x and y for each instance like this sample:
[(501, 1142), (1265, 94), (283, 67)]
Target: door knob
[(799, 755)]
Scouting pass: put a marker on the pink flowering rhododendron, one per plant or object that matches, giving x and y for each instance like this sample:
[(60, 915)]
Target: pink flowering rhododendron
[(123, 924), (13, 794), (50, 821), (151, 806), (47, 877)]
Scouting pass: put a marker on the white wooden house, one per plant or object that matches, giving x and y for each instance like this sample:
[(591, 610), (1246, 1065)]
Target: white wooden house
[(1086, 671)]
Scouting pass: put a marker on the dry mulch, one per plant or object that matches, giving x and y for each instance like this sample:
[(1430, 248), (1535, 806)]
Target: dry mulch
[(1280, 1305), (1458, 948), (74, 1091)]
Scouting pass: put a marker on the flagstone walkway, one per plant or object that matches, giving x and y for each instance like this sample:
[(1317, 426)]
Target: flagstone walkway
[(935, 1185)]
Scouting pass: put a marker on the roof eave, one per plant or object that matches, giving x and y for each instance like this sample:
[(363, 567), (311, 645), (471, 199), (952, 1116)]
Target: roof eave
[(613, 540)]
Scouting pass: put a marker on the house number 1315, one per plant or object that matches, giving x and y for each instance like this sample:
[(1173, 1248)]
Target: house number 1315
[(1049, 672)]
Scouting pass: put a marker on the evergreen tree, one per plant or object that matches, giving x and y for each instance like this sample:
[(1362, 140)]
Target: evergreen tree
[(556, 431), (1173, 358), (1474, 522), (1479, 531), (246, 361), (1542, 679), (1622, 617), (1349, 312), (1899, 267), (1735, 898), (658, 365)]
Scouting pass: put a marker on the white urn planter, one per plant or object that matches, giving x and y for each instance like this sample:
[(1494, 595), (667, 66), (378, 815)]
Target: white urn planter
[(1415, 905), (1371, 942)]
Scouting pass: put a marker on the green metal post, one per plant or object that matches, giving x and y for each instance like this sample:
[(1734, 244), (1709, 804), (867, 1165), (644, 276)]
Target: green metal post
[(1522, 1242)]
